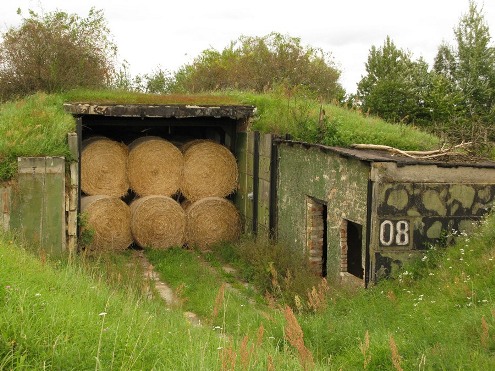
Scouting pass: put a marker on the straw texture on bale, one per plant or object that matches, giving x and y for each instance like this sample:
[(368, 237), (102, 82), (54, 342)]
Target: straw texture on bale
[(154, 167), (212, 220), (104, 167), (110, 220), (158, 222), (210, 170)]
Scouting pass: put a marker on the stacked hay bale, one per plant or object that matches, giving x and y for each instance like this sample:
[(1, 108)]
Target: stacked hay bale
[(210, 174), (159, 174), (158, 222), (155, 168), (104, 167), (104, 181)]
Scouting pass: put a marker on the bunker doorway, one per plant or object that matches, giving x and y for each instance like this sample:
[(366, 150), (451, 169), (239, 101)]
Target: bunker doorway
[(316, 232), (353, 249)]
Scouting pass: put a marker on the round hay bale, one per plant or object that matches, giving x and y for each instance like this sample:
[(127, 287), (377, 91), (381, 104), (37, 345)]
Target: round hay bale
[(185, 146), (154, 167), (212, 220), (158, 222), (109, 221), (210, 170), (104, 167)]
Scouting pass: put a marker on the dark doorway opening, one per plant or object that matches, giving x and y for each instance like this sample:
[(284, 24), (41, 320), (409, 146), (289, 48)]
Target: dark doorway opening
[(317, 235), (324, 252), (354, 249)]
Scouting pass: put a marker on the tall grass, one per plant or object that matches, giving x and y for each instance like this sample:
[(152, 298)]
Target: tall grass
[(37, 125), (34, 126), (433, 315), (57, 316)]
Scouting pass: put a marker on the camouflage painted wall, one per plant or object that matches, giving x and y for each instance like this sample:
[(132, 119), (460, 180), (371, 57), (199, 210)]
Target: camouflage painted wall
[(409, 217), (340, 182)]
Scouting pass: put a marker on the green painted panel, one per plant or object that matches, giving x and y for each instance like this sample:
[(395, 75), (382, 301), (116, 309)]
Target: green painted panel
[(38, 203), (264, 168)]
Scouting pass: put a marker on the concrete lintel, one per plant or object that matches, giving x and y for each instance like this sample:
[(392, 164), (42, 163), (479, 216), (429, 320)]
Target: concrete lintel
[(390, 172)]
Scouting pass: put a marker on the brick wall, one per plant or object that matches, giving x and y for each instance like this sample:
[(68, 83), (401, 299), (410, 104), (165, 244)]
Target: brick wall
[(343, 246), (315, 230)]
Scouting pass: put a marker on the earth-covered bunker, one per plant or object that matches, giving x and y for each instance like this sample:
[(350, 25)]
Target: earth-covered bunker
[(361, 213)]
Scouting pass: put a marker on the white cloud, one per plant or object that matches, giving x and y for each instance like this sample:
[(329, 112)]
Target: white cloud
[(153, 33)]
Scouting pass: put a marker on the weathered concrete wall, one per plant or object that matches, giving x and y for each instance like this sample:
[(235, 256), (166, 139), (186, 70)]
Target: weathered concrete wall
[(38, 202), (422, 204), (341, 183)]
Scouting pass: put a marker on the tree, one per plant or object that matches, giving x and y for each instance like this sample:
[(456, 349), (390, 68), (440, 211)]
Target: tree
[(395, 87), (470, 69), (260, 64), (55, 52)]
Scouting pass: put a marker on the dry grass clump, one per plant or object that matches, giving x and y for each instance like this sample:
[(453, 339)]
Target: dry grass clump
[(109, 220), (158, 222), (104, 167), (210, 169), (154, 166), (212, 220)]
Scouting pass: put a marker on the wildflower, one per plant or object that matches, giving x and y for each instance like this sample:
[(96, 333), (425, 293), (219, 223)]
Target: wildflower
[(424, 258), (432, 274), (37, 294), (103, 314)]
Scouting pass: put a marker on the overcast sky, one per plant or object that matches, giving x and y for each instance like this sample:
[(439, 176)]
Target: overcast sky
[(168, 34)]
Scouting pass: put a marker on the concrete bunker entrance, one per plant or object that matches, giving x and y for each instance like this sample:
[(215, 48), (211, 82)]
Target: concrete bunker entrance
[(351, 244)]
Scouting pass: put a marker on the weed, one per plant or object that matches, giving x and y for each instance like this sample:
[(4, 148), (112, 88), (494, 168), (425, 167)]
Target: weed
[(295, 337), (396, 358), (485, 335), (364, 347)]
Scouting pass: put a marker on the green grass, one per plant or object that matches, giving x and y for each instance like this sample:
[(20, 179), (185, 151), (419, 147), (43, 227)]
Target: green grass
[(300, 117), (67, 316), (34, 126), (439, 312), (205, 290), (38, 125)]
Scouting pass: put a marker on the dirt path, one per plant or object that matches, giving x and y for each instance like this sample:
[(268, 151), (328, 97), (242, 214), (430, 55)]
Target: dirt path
[(165, 291)]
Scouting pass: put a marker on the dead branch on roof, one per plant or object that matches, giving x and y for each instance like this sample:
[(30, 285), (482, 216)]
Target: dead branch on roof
[(416, 154)]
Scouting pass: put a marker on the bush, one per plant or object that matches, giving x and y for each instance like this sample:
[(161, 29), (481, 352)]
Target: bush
[(56, 52)]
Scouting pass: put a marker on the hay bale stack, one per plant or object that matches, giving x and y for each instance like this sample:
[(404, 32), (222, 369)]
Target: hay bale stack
[(210, 170), (104, 167), (109, 219), (158, 222), (212, 220), (154, 167)]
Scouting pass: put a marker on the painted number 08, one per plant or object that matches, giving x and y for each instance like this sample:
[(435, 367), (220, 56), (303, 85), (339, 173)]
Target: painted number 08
[(398, 233)]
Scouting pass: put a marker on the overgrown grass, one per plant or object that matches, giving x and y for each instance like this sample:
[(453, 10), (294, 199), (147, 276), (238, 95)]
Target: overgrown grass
[(34, 126), (213, 295), (38, 125), (438, 313), (305, 119), (57, 316)]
